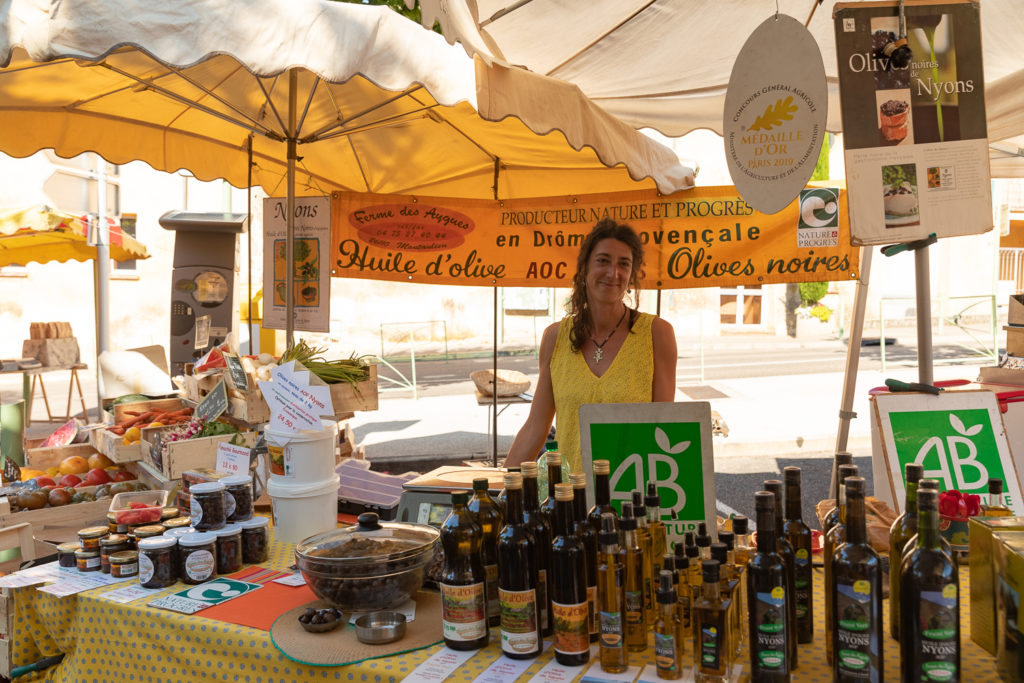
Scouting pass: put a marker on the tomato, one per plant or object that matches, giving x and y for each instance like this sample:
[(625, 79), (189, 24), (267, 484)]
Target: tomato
[(45, 481), (97, 476), (122, 475), (70, 480)]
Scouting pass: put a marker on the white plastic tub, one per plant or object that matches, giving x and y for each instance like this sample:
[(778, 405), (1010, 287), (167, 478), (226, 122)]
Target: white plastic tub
[(302, 510), (304, 457)]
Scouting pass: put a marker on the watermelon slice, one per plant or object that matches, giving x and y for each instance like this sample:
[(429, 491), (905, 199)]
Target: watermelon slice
[(64, 435)]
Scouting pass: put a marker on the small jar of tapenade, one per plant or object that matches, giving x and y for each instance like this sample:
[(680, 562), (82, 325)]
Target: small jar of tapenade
[(87, 560), (177, 522), (66, 555), (168, 513), (175, 555), (229, 549), (255, 540), (238, 488), (114, 543), (90, 537), (113, 526), (124, 564), (207, 505), (148, 531), (198, 554), (156, 568)]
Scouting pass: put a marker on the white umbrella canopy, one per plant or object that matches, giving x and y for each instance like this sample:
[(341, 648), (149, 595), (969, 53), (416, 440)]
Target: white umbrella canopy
[(665, 64)]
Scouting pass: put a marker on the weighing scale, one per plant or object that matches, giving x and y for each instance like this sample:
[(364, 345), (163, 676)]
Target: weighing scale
[(427, 499)]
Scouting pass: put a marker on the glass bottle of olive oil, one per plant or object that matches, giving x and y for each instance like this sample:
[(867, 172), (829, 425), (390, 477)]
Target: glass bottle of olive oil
[(569, 607), (554, 464), (930, 646), (727, 589), (589, 539), (542, 536), (647, 548), (668, 644), (995, 506), (632, 560), (703, 541), (832, 518), (602, 497), (900, 532), (744, 550), (799, 536), (463, 597), (711, 655), (767, 597), (774, 486), (927, 485), (659, 535), (490, 520), (739, 601), (857, 596), (517, 578), (611, 584), (833, 539), (684, 593)]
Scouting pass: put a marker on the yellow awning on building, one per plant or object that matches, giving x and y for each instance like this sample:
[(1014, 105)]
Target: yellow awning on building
[(41, 234)]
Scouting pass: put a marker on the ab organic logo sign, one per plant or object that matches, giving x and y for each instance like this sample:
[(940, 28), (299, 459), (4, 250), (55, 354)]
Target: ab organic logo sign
[(957, 448), (667, 454)]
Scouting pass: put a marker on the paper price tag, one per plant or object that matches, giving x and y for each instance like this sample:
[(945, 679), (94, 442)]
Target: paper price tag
[(232, 459), (297, 399)]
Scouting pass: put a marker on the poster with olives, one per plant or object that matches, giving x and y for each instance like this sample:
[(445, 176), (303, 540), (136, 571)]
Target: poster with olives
[(309, 265), (665, 443)]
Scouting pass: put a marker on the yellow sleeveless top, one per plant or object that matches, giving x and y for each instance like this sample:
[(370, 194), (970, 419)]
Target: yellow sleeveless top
[(629, 380)]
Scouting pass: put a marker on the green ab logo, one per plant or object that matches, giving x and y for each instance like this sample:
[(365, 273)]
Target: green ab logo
[(954, 458), (666, 477)]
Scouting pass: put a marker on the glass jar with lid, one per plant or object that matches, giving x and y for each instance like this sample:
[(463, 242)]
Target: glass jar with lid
[(156, 564), (229, 548), (114, 543), (238, 498), (198, 554), (90, 537), (255, 540), (124, 564), (207, 505)]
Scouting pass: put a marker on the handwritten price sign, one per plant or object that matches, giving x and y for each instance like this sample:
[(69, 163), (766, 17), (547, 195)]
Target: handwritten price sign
[(297, 399), (232, 459)]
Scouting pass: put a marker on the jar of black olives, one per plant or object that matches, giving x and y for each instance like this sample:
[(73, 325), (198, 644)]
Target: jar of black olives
[(207, 505), (255, 540), (239, 497), (229, 549), (198, 553), (156, 566)]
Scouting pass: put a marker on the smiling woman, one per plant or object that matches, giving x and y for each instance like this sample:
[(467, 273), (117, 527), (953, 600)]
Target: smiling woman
[(603, 351)]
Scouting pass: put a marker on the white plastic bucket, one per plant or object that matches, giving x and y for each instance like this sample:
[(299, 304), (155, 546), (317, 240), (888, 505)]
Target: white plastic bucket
[(300, 511), (302, 457)]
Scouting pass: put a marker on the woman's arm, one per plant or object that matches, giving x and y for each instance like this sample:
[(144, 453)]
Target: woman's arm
[(530, 438), (663, 338)]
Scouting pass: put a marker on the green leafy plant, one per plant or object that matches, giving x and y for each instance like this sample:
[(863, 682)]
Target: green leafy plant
[(812, 292)]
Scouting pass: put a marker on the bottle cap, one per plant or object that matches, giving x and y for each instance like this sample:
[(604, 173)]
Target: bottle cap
[(740, 525), (728, 538), (529, 469), (718, 552), (692, 551), (668, 561), (682, 563), (481, 484), (702, 529), (551, 445), (709, 568), (774, 486), (764, 501), (915, 472), (703, 541), (554, 458), (513, 481), (854, 486), (652, 500), (995, 486), (680, 549), (928, 485), (460, 497), (608, 535), (602, 467), (563, 492), (847, 471), (688, 537), (666, 593), (844, 458), (928, 500), (639, 509), (627, 522), (791, 475), (578, 480)]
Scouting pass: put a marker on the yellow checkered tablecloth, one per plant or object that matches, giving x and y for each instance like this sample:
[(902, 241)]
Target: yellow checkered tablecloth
[(107, 642)]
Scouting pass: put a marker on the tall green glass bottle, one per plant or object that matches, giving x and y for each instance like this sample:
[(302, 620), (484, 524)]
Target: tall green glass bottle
[(799, 536), (517, 579), (930, 614), (832, 518), (835, 537), (489, 518), (768, 643), (542, 536), (857, 596), (774, 486), (463, 596), (569, 607), (554, 466), (602, 497), (900, 532), (588, 537)]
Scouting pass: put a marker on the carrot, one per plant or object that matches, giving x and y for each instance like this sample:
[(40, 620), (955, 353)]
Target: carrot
[(136, 420), (136, 413), (116, 429), (160, 417)]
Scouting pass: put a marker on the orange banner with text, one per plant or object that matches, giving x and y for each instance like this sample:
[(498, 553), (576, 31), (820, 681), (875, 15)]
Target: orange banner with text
[(706, 237)]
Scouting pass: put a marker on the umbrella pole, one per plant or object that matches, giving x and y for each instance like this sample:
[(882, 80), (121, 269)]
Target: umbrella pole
[(248, 244), (102, 281), (922, 275), (289, 295), (494, 384)]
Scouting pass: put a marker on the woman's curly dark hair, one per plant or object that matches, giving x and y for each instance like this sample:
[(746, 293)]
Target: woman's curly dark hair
[(582, 325)]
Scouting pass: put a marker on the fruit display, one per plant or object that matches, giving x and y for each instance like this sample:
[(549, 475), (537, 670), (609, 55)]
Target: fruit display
[(74, 480)]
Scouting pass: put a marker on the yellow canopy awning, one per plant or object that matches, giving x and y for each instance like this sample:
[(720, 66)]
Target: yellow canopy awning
[(42, 235)]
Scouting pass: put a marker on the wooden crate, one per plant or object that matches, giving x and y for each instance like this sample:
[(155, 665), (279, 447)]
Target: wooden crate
[(112, 446), (6, 631), (78, 515), (248, 406), (41, 458), (190, 454), (196, 388), (345, 442), (347, 398), (157, 404)]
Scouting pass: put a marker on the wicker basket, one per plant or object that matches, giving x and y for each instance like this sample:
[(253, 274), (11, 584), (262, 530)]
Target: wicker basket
[(510, 382)]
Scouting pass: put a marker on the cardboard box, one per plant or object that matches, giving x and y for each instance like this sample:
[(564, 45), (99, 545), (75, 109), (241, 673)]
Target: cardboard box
[(57, 353), (349, 398), (1009, 568), (981, 531)]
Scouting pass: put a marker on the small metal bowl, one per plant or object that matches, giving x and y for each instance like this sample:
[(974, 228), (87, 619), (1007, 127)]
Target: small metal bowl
[(377, 628)]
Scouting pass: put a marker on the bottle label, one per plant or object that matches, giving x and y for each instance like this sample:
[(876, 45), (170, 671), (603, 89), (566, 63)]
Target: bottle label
[(571, 635), (542, 597), (612, 634), (855, 634), (491, 585), (802, 583), (770, 631), (634, 608), (146, 568), (665, 652), (939, 637), (519, 632), (593, 622), (463, 612), (199, 565), (195, 511), (710, 648)]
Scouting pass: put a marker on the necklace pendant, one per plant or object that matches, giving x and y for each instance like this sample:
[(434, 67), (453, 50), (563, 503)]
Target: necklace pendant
[(598, 354)]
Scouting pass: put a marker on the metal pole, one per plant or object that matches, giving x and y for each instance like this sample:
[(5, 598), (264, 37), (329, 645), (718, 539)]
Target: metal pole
[(657, 309), (289, 277), (253, 345), (860, 303), (102, 278), (494, 385), (922, 278)]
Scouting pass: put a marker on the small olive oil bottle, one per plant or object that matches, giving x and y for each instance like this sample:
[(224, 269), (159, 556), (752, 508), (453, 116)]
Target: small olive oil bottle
[(711, 655), (668, 646), (611, 584), (632, 560), (489, 518), (542, 536)]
